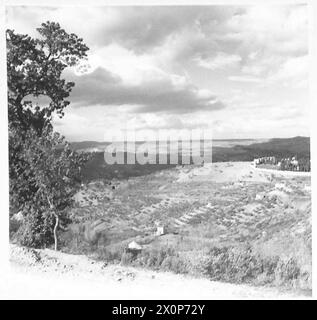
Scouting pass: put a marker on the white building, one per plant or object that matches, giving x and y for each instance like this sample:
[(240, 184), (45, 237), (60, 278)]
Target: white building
[(160, 230)]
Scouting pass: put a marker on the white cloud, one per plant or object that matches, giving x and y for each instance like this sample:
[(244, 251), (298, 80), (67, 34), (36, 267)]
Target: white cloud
[(131, 68), (293, 72), (244, 79), (280, 29), (220, 61), (272, 41)]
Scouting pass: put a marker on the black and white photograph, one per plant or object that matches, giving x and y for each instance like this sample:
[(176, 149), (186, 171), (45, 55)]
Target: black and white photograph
[(157, 151)]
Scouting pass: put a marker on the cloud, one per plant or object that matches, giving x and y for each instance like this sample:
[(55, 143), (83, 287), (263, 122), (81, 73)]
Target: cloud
[(169, 66), (278, 29), (287, 72), (132, 68), (244, 79), (100, 87), (144, 28), (272, 41), (212, 36), (293, 72), (139, 28), (220, 61)]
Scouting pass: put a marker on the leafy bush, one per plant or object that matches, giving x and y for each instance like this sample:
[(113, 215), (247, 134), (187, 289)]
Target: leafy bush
[(165, 259), (14, 226), (36, 230), (245, 265), (47, 184), (287, 271), (127, 258), (175, 264)]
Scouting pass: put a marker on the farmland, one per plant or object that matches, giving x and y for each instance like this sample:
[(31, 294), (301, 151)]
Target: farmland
[(225, 221)]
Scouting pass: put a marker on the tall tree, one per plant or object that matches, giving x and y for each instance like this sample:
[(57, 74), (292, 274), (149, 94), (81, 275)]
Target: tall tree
[(44, 171)]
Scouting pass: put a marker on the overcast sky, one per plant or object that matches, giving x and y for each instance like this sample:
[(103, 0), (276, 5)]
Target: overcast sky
[(241, 71)]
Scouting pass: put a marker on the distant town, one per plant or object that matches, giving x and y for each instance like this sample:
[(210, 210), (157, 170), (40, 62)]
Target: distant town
[(286, 164)]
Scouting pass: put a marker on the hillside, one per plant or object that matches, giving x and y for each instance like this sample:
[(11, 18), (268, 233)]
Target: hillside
[(299, 146), (98, 169), (87, 145), (226, 221), (217, 217)]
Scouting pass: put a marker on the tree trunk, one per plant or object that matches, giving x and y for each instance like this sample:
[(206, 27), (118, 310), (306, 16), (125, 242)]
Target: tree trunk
[(56, 223), (55, 231)]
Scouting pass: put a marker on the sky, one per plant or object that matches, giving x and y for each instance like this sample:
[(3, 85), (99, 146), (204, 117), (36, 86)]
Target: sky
[(240, 71)]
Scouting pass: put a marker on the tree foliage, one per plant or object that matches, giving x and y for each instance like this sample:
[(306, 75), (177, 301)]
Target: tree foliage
[(43, 182), (35, 68), (44, 171)]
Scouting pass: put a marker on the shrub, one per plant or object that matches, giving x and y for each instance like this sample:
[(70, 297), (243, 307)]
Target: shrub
[(36, 230), (175, 264), (127, 258), (113, 255), (14, 226), (287, 271), (245, 265)]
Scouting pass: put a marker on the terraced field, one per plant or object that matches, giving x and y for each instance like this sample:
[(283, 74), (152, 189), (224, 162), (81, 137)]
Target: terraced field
[(244, 204), (224, 204)]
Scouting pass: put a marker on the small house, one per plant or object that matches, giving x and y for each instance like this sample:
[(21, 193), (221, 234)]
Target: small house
[(134, 246), (160, 230)]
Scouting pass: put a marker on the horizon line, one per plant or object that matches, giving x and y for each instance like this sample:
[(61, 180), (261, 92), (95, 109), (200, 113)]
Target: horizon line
[(216, 139)]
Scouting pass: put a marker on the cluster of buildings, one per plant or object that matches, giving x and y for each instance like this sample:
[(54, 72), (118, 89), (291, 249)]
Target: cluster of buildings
[(290, 164), (265, 160)]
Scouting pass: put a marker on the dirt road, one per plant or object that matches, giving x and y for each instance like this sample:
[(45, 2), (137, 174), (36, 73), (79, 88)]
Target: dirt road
[(45, 274)]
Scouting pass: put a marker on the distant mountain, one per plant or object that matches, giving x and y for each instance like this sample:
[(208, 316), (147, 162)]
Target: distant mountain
[(100, 146), (279, 147), (297, 146), (88, 145)]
